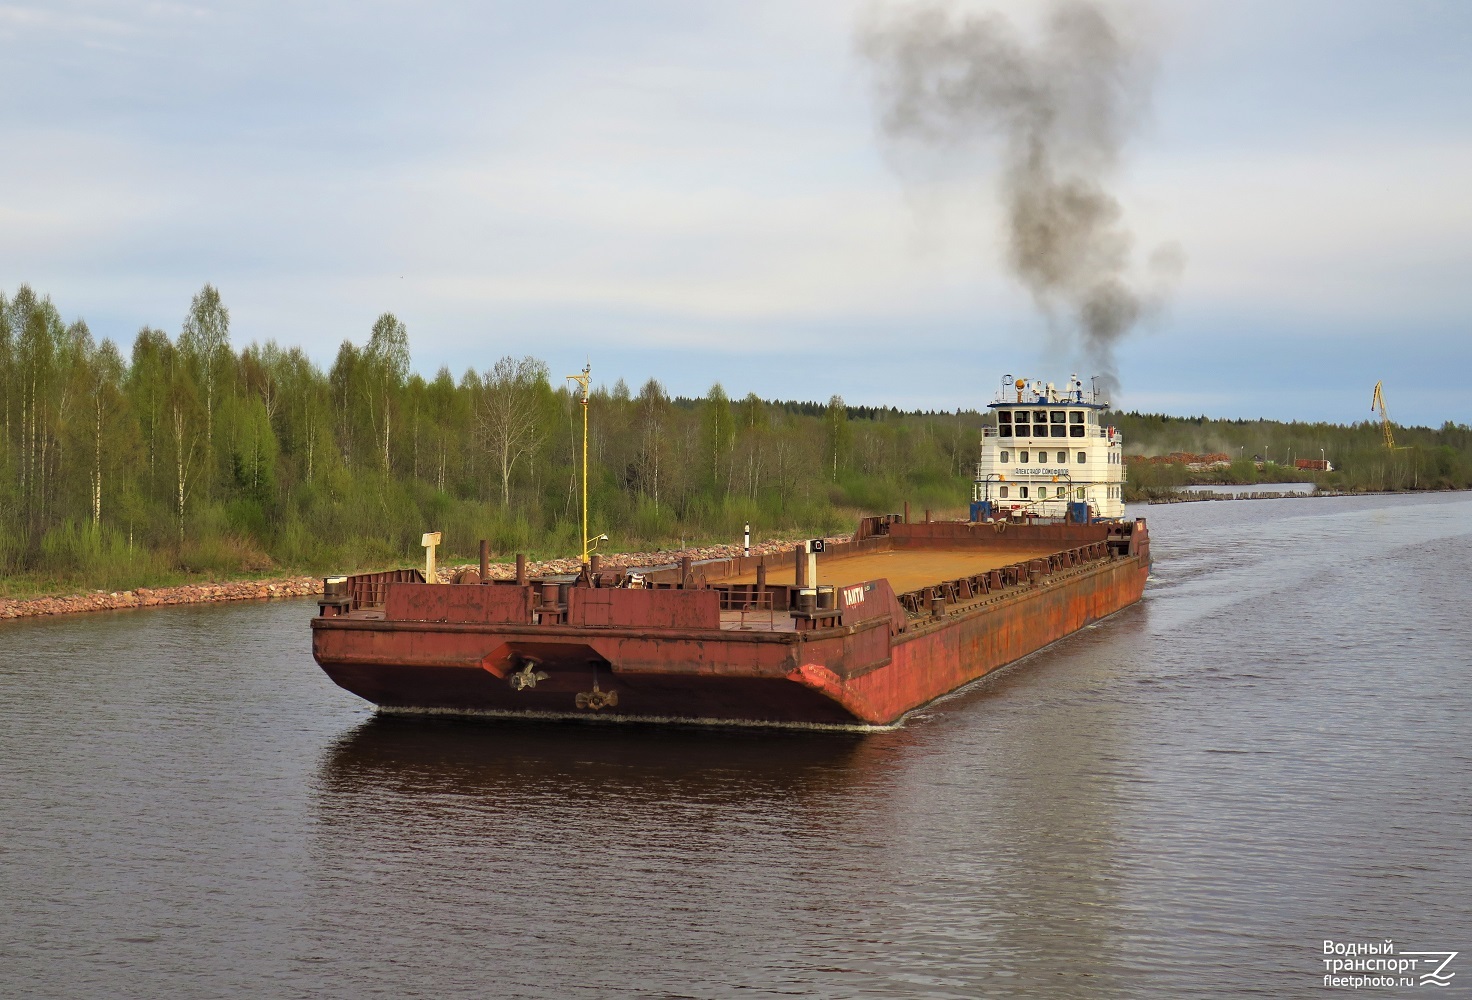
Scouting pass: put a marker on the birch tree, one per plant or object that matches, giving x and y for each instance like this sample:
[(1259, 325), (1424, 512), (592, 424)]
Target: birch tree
[(205, 343), (652, 407), (183, 413), (509, 419), (719, 433), (387, 356), (835, 421), (104, 376)]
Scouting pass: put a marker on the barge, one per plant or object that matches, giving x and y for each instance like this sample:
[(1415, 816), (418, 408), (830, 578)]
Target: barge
[(853, 633)]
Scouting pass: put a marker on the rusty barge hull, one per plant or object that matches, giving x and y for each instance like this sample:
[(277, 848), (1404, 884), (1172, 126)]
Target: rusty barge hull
[(705, 644)]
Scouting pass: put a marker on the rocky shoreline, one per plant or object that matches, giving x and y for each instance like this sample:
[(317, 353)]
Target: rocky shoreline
[(307, 586), (151, 597)]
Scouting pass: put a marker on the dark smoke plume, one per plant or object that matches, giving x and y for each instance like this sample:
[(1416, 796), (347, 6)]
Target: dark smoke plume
[(1062, 107)]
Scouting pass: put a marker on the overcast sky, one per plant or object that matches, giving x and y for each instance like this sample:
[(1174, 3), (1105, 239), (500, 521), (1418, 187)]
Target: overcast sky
[(696, 192)]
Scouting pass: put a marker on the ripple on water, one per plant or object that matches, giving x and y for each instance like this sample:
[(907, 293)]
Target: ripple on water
[(1183, 800)]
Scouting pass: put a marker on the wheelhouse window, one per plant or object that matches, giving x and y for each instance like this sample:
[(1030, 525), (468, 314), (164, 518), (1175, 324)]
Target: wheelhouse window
[(1076, 423), (1083, 458), (1004, 424), (1006, 456), (1040, 416)]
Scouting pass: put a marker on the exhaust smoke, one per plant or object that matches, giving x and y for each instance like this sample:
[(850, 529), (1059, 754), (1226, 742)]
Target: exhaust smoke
[(1062, 106)]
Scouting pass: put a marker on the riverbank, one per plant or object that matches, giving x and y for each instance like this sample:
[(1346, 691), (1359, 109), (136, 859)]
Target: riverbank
[(307, 586), (149, 597), (1193, 496)]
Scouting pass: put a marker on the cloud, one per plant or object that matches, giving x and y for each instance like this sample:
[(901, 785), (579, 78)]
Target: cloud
[(694, 190)]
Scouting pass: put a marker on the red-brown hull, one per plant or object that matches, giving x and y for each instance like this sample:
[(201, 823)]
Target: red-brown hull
[(869, 673)]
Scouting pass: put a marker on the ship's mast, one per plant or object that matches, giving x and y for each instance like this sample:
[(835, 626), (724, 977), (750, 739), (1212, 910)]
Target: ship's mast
[(583, 380)]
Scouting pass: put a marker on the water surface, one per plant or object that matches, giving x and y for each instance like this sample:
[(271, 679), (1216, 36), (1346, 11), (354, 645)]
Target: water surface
[(1184, 800)]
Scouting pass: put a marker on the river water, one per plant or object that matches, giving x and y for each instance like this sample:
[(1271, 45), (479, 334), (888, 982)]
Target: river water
[(1187, 799)]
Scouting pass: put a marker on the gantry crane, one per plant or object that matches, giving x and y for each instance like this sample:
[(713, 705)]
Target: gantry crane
[(1377, 401)]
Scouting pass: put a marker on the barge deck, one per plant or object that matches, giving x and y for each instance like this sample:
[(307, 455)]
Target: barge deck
[(914, 611)]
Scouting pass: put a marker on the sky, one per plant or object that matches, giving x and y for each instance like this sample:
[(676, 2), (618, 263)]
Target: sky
[(698, 192)]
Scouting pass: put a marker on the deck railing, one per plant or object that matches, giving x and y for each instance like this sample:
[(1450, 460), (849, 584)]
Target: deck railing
[(746, 597), (368, 590)]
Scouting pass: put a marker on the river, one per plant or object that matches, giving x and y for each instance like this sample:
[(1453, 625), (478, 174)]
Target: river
[(1188, 799)]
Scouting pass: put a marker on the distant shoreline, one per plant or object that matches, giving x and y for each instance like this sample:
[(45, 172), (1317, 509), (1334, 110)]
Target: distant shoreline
[(1203, 495)]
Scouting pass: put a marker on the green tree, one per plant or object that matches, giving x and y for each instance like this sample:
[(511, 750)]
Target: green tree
[(106, 402), (387, 361), (205, 344), (835, 422), (652, 407), (719, 432), (147, 386), (184, 415)]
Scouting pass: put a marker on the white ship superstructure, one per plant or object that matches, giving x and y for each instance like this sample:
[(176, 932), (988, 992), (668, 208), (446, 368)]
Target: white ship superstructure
[(1048, 455)]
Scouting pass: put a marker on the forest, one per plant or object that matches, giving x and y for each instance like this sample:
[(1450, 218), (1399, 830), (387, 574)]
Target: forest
[(188, 457)]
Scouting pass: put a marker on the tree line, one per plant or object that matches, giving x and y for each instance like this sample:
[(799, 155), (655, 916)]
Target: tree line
[(1268, 451), (189, 453)]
